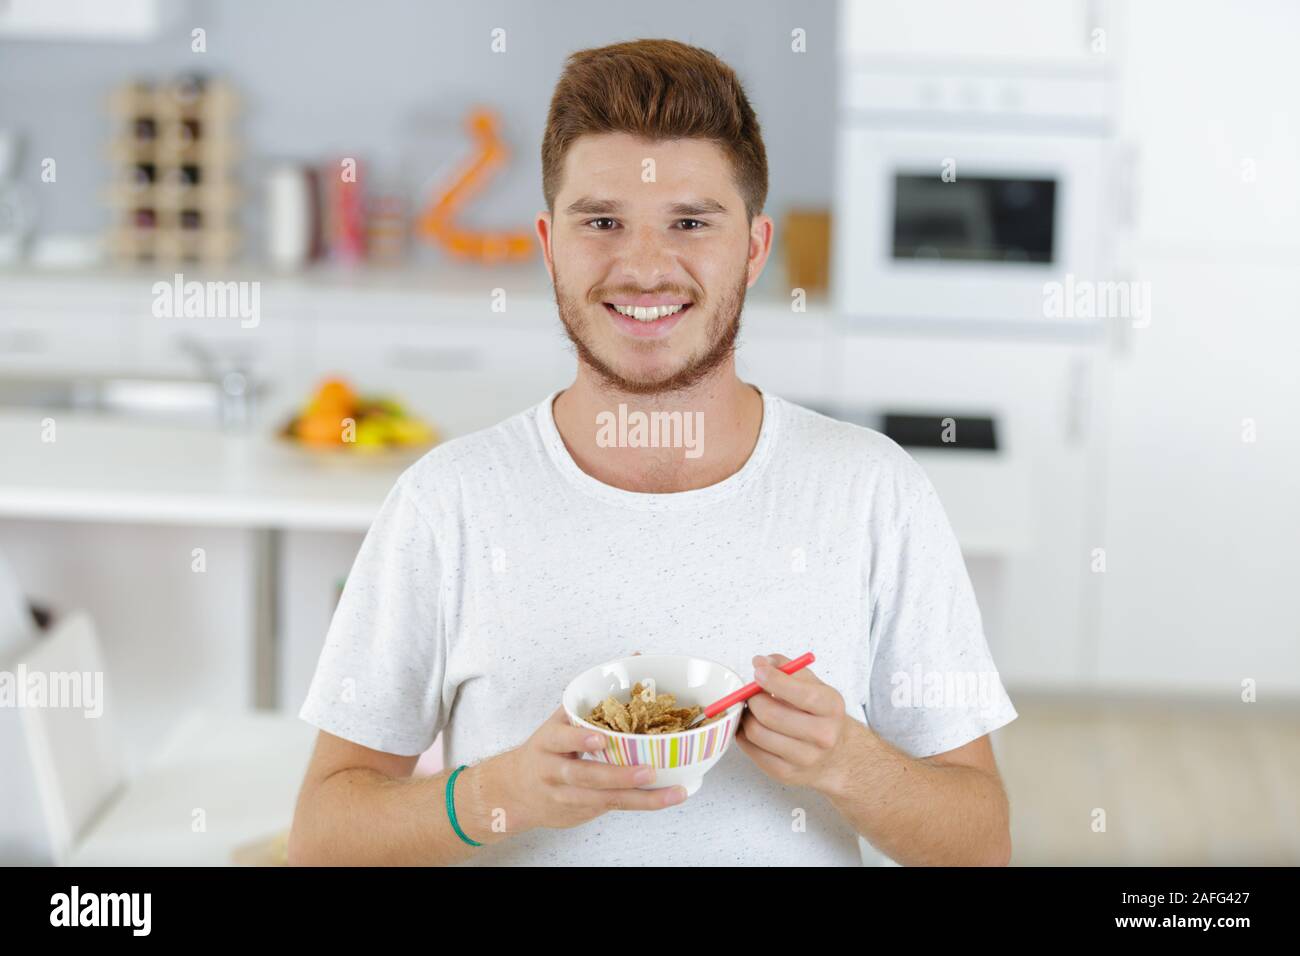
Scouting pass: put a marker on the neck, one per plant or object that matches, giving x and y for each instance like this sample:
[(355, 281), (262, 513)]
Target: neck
[(663, 442)]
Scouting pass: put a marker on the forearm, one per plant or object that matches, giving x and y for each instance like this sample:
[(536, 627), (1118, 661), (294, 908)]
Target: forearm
[(918, 813), (360, 817)]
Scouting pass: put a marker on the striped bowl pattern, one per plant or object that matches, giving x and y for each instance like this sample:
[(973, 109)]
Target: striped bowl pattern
[(666, 750), (681, 759)]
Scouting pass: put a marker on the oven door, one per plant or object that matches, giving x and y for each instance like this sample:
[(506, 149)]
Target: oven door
[(1014, 212)]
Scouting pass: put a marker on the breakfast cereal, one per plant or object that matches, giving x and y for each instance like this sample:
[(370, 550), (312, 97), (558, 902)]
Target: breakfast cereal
[(646, 712)]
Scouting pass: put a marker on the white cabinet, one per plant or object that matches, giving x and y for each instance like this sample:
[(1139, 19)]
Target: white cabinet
[(86, 19), (1202, 511), (58, 341), (1208, 102), (1200, 520), (76, 332), (1033, 587), (1002, 30)]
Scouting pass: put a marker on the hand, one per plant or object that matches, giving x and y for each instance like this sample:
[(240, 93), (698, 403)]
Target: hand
[(552, 786), (795, 728)]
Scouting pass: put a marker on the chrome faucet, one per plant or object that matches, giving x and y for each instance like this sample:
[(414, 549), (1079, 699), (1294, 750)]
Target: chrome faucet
[(231, 373)]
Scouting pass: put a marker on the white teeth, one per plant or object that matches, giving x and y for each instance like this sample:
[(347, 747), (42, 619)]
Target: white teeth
[(649, 314)]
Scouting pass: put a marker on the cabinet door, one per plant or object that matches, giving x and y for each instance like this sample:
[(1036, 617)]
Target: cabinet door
[(1001, 30), (39, 339), (1208, 100), (1202, 512), (1033, 595)]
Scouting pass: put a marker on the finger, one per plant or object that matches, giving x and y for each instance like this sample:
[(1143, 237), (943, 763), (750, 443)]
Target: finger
[(771, 764), (558, 736), (783, 718), (605, 800), (796, 753), (810, 695), (595, 775), (803, 673)]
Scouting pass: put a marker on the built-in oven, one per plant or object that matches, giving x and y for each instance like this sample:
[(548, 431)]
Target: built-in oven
[(966, 196)]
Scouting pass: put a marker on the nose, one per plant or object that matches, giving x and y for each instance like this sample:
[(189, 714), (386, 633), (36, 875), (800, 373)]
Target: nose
[(646, 262)]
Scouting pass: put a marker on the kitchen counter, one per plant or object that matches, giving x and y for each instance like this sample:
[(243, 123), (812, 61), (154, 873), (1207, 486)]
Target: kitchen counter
[(119, 470), (101, 468)]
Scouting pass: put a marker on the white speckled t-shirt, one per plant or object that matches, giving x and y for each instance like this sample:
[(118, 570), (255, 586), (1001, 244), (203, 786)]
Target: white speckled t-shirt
[(497, 570)]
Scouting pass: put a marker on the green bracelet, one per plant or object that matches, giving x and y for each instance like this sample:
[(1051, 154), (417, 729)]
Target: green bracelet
[(451, 808)]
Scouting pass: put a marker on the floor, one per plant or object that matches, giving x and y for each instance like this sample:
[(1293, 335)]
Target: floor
[(1129, 782)]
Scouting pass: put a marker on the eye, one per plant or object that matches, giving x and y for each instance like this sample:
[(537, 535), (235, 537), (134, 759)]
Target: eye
[(697, 222), (601, 219)]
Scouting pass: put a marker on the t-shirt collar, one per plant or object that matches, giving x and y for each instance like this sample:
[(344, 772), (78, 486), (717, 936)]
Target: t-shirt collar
[(568, 468)]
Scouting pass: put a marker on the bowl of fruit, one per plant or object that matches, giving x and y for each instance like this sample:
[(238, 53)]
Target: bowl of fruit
[(338, 422)]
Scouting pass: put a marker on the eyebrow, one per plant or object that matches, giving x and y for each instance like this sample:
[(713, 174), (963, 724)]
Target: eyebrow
[(590, 206)]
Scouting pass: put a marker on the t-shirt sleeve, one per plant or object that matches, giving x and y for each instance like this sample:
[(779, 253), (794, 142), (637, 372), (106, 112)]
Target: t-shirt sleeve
[(379, 679), (933, 685)]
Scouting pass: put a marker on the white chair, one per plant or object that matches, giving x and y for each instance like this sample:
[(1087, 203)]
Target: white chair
[(16, 624), (22, 835), (219, 783)]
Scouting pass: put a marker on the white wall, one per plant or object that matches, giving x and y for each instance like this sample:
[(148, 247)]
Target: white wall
[(1201, 525)]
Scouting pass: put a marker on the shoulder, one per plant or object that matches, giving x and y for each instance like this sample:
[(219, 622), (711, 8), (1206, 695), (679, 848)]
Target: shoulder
[(852, 456), (813, 430), (451, 471)]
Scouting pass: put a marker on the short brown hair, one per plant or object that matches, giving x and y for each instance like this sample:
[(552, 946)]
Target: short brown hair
[(657, 89)]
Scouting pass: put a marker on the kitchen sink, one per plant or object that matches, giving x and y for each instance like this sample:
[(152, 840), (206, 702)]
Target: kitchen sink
[(199, 401)]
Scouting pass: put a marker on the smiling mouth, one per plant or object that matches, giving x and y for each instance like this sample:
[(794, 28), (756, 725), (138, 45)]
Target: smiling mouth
[(648, 313)]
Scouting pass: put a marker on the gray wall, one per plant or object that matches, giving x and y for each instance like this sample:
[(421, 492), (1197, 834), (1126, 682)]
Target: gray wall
[(388, 81)]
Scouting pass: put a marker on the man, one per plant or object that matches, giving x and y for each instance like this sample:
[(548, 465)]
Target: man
[(505, 562)]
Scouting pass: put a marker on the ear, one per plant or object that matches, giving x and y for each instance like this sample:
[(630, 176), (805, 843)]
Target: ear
[(760, 245), (543, 226)]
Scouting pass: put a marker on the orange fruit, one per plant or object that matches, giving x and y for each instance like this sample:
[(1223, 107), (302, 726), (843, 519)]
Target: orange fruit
[(335, 396), (320, 428)]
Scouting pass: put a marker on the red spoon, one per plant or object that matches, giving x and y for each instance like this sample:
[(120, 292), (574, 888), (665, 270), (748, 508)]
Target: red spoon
[(749, 690)]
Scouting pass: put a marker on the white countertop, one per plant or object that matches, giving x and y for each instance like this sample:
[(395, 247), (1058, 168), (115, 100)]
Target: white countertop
[(109, 469)]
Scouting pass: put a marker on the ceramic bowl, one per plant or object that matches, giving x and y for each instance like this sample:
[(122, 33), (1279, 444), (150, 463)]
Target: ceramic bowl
[(681, 758)]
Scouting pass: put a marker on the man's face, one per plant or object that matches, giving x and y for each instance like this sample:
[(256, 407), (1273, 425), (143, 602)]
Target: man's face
[(656, 229)]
